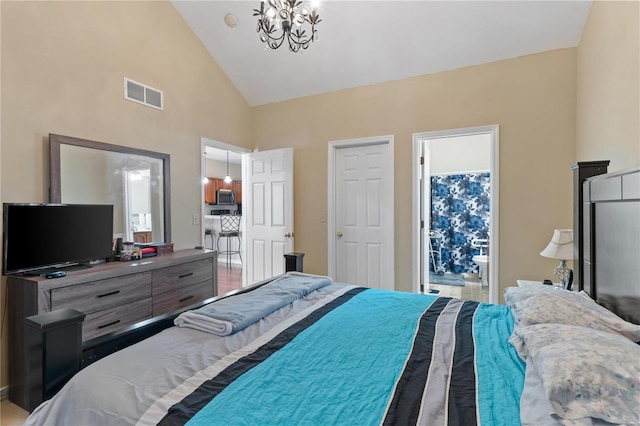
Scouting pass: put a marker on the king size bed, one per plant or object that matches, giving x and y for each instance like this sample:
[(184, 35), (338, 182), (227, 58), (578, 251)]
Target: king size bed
[(302, 349)]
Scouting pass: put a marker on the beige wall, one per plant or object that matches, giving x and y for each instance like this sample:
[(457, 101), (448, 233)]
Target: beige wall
[(608, 94), (218, 169), (532, 98), (63, 65)]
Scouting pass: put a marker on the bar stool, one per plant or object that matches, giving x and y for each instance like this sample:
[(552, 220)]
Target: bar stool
[(209, 235), (209, 232), (229, 228)]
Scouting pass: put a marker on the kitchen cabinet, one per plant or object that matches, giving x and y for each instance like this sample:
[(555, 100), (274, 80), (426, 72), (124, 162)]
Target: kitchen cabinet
[(237, 188), (142, 237), (214, 184), (224, 185), (210, 189)]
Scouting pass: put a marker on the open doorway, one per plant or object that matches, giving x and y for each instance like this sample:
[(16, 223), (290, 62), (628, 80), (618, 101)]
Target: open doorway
[(222, 222), (456, 213)]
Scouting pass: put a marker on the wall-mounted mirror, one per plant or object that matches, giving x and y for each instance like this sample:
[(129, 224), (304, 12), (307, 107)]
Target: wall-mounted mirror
[(135, 181)]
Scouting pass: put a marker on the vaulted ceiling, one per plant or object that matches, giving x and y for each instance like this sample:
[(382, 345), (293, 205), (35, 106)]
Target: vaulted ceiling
[(368, 42)]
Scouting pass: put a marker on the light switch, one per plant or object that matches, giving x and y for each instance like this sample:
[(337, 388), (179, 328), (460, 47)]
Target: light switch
[(196, 219)]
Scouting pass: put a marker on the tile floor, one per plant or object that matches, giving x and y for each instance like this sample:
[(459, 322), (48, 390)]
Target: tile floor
[(472, 289)]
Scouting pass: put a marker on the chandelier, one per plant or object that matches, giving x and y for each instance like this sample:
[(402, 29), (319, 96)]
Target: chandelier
[(281, 20)]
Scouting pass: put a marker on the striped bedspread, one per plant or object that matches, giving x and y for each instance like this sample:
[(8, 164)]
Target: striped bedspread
[(362, 357)]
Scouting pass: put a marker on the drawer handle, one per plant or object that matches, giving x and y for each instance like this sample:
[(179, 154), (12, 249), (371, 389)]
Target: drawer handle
[(184, 299), (110, 324), (186, 275), (109, 294)]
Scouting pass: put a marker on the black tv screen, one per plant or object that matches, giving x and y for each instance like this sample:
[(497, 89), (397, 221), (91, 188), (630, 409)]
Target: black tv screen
[(40, 235)]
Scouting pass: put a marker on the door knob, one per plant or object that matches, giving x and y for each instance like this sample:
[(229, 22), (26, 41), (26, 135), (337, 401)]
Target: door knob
[(287, 235), (339, 234)]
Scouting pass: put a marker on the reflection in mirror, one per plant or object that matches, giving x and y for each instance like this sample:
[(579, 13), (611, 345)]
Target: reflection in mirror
[(134, 181), (137, 207)]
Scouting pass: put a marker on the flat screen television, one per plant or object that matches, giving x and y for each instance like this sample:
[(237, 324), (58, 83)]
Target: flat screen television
[(38, 236)]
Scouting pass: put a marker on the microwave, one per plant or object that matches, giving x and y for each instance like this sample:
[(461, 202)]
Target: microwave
[(225, 196)]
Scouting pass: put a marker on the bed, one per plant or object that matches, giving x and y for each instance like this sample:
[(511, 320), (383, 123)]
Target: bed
[(302, 349)]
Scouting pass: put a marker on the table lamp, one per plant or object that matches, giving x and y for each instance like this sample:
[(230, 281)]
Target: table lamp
[(560, 247)]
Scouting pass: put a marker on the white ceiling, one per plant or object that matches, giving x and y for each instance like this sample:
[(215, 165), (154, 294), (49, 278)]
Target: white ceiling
[(218, 154), (369, 42)]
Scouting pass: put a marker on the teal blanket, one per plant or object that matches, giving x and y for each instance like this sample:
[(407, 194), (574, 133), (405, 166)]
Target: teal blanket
[(369, 357)]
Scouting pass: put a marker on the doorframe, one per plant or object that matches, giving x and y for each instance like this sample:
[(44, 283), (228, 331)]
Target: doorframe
[(494, 228), (331, 231), (206, 142), (126, 185)]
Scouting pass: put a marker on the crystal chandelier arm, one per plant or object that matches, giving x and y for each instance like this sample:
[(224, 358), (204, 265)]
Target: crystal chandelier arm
[(289, 13)]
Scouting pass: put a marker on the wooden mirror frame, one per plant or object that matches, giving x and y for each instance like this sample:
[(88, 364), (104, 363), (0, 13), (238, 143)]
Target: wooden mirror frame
[(55, 182)]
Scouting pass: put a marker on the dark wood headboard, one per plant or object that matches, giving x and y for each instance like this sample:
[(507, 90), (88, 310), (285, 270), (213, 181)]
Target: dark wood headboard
[(611, 242)]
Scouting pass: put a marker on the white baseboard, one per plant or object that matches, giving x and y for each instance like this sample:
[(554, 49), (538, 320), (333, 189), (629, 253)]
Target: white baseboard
[(4, 393)]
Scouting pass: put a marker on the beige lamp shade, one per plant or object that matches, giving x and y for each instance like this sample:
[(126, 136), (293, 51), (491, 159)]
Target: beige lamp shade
[(561, 245)]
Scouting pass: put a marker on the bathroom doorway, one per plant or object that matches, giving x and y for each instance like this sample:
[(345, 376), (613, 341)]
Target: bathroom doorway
[(456, 213)]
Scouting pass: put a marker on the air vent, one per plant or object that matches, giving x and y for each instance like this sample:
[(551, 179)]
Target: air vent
[(142, 94)]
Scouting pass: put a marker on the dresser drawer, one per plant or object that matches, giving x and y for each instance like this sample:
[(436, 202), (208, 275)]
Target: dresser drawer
[(173, 277), (179, 298), (102, 294), (108, 320)]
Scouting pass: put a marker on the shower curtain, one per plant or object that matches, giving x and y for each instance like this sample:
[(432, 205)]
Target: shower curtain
[(460, 213)]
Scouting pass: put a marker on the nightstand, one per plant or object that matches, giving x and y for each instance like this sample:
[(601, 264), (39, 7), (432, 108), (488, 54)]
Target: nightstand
[(526, 283)]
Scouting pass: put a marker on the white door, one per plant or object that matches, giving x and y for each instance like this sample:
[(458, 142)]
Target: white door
[(269, 213), (363, 231)]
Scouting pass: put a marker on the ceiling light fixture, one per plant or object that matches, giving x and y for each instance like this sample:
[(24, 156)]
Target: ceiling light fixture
[(227, 178), (231, 20), (284, 19)]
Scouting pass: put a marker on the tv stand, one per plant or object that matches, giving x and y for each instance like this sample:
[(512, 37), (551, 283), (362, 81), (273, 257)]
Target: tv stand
[(64, 268), (73, 267), (115, 297), (37, 273)]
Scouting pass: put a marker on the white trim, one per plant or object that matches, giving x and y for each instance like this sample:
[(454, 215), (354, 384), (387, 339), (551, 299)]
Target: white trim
[(205, 142), (331, 231), (128, 231), (415, 212), (462, 172), (494, 132)]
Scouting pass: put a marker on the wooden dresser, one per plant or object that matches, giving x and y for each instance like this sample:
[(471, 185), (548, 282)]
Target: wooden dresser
[(112, 295)]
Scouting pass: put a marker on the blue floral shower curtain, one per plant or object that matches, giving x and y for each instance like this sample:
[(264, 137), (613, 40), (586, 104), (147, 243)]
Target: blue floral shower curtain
[(460, 213)]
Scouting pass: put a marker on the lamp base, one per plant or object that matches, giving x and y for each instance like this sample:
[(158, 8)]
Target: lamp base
[(562, 272)]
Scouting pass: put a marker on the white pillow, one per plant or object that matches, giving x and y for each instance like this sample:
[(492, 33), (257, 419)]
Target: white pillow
[(586, 372), (531, 306)]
